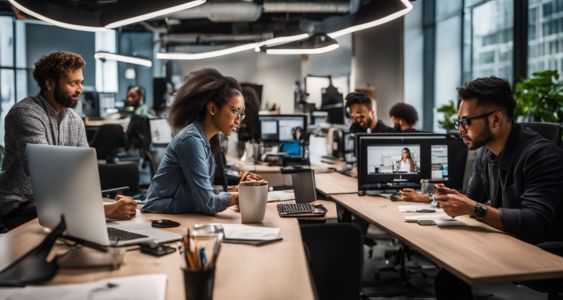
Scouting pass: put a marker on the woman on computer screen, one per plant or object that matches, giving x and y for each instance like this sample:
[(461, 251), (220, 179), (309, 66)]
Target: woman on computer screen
[(406, 164), (207, 103)]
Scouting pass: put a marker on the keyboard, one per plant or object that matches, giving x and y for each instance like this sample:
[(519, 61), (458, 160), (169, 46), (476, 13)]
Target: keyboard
[(301, 210), (122, 235)]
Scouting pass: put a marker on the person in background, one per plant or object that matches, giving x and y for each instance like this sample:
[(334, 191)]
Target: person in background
[(404, 117), (135, 101), (46, 118), (207, 103), (361, 110)]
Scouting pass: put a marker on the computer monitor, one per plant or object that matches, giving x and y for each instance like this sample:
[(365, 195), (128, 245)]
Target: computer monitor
[(107, 104), (349, 147), (275, 128), (383, 163), (161, 132), (96, 104)]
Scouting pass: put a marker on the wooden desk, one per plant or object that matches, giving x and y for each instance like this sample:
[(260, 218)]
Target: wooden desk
[(273, 271), (476, 253), (97, 123), (335, 183)]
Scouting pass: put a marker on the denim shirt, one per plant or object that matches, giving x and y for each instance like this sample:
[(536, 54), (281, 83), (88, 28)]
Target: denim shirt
[(183, 182)]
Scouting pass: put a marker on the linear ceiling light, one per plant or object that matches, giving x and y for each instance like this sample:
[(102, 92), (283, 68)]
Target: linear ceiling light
[(383, 10), (108, 17), (157, 13), (208, 54), (315, 44), (123, 58)]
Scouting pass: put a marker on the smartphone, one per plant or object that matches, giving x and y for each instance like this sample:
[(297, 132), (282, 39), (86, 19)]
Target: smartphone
[(425, 222), (155, 249)]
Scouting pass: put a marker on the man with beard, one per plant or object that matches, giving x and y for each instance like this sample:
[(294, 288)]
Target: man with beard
[(404, 117), (518, 176), (46, 118), (361, 110)]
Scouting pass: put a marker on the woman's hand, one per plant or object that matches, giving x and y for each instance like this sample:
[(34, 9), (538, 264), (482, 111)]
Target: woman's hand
[(124, 208), (248, 176)]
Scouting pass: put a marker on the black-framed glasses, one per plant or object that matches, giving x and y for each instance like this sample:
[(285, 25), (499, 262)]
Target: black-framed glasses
[(237, 111), (466, 121)]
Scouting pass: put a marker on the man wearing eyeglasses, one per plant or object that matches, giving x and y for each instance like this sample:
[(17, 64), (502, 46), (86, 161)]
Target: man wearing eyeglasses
[(518, 176)]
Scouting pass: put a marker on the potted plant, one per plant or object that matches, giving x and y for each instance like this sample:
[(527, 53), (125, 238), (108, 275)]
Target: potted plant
[(540, 97), (448, 111)]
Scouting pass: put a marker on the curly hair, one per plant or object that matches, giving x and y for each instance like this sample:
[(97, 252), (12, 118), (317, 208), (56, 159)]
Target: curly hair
[(201, 87), (55, 65), (404, 111)]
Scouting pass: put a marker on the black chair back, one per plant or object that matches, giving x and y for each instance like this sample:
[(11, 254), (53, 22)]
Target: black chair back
[(335, 254), (550, 131), (108, 140)]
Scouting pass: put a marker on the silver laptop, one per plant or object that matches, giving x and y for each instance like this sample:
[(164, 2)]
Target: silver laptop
[(65, 182)]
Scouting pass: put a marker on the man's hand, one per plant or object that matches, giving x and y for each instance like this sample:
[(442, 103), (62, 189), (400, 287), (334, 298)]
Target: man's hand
[(248, 176), (454, 203), (124, 208), (413, 196)]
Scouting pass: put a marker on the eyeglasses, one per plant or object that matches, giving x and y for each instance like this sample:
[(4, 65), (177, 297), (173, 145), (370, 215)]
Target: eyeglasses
[(466, 121), (237, 111)]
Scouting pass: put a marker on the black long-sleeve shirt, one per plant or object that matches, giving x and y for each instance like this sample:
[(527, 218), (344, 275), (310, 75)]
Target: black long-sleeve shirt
[(526, 183)]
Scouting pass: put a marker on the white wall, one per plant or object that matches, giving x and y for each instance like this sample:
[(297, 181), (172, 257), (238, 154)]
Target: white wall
[(276, 73)]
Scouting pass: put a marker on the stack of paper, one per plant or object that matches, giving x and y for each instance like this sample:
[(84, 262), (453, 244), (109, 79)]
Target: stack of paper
[(141, 287), (286, 195), (441, 219), (250, 234), (418, 208)]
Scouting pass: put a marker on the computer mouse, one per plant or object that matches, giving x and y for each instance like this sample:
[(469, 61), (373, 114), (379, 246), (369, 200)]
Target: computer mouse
[(164, 223)]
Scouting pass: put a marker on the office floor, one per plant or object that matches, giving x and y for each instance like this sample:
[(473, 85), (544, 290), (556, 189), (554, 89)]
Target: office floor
[(380, 281)]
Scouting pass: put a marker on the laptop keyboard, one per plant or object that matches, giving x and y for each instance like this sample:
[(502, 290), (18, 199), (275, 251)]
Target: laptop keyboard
[(295, 209), (122, 235)]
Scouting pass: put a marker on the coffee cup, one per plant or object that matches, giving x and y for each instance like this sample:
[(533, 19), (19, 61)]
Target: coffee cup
[(252, 198)]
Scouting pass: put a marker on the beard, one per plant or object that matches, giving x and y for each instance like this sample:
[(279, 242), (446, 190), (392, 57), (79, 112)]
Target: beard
[(397, 126), (481, 140), (64, 100)]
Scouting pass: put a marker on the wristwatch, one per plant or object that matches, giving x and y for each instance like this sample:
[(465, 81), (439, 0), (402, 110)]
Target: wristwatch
[(480, 211)]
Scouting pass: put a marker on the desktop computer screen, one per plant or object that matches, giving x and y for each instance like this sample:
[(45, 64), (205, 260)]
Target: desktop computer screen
[(107, 104), (395, 161), (275, 128), (161, 132)]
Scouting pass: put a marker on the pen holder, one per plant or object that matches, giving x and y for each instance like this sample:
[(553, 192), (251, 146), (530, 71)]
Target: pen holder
[(199, 284)]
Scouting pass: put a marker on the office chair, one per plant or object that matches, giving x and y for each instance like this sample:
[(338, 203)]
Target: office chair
[(108, 141), (120, 175), (550, 131), (335, 255)]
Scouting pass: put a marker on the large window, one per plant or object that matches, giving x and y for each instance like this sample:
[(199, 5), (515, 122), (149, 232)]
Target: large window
[(488, 39), (545, 35)]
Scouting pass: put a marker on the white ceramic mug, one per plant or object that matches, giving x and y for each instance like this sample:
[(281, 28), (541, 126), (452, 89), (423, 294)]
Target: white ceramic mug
[(252, 198)]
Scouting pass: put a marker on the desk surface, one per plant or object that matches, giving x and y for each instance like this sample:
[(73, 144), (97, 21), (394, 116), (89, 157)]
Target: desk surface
[(476, 253), (273, 271), (335, 183)]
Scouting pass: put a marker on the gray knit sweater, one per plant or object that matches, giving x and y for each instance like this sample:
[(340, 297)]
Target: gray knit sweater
[(33, 121)]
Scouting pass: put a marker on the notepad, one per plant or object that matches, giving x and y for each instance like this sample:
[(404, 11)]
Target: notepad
[(441, 219), (140, 287), (239, 233), (285, 195), (426, 208)]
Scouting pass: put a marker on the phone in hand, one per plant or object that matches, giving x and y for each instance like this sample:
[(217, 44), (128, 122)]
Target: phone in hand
[(155, 249)]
